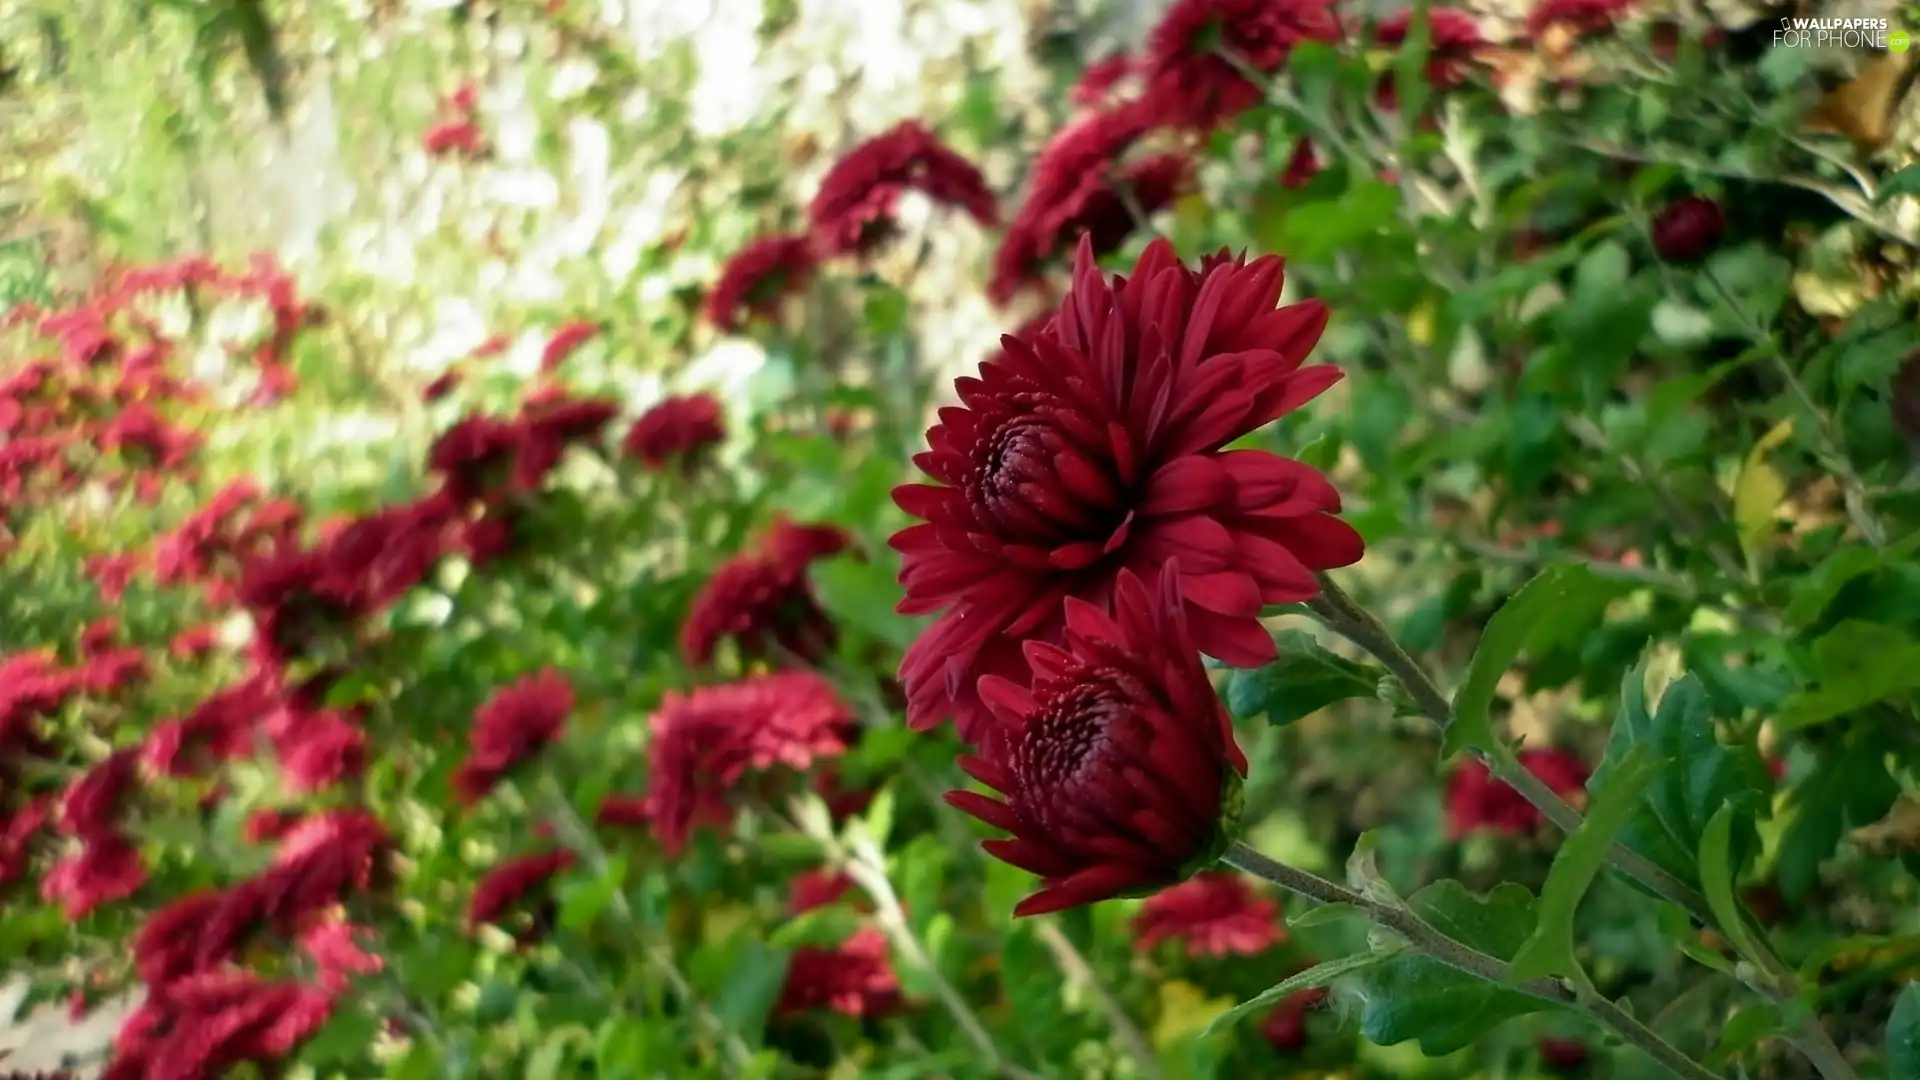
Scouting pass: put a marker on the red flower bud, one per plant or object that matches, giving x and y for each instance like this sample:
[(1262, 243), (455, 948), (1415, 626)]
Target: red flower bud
[(1688, 229), (1117, 766)]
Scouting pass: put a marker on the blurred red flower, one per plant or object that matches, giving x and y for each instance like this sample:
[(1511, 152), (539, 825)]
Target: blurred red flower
[(762, 599), (1579, 17), (207, 1025), (1117, 764), (1098, 80), (853, 210), (816, 889), (1562, 1055), (568, 338), (1285, 1028), (1190, 80), (1080, 188), (1477, 802), (675, 432), (509, 885), (1100, 445), (107, 868), (511, 729), (1453, 36), (1215, 913), (758, 276), (855, 978), (711, 741), (1688, 229)]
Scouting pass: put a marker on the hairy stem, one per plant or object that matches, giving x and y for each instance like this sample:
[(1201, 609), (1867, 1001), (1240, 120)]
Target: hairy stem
[(1430, 941), (1346, 616)]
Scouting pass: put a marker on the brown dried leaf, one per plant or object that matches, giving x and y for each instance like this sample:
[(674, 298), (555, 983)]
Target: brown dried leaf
[(1863, 109)]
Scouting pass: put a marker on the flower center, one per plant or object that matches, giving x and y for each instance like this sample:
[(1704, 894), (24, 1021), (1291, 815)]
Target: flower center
[(1035, 486)]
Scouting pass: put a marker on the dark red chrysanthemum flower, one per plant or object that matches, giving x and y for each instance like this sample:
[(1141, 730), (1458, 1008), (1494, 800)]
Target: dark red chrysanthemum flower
[(1192, 83), (758, 277), (1117, 765), (855, 978), (91, 806), (853, 210), (17, 832), (514, 725), (1452, 39), (1578, 18), (762, 600), (1477, 802), (1688, 229), (1106, 206), (1285, 1028), (1100, 445), (675, 432), (507, 887), (1562, 1055), (1213, 914), (708, 743), (336, 951)]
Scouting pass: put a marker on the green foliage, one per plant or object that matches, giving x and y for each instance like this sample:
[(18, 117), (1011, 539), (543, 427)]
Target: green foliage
[(1412, 997), (1305, 679)]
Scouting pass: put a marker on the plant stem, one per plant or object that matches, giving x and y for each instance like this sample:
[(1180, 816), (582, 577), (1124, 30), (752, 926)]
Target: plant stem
[(1081, 973), (578, 836), (865, 865), (1358, 625), (1854, 490), (1432, 942)]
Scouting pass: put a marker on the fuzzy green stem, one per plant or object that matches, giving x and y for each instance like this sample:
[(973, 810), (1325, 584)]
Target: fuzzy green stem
[(1430, 941)]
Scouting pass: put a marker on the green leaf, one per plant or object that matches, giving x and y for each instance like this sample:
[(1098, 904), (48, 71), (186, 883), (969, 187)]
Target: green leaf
[(1857, 664), (862, 595), (1325, 913), (1410, 85), (1904, 182), (1812, 593), (1550, 949), (1743, 1031), (1305, 679), (1903, 1034), (1701, 775), (1718, 869), (1562, 601), (582, 902), (1319, 975), (1758, 281), (822, 927), (751, 988), (1441, 1008), (1849, 787)]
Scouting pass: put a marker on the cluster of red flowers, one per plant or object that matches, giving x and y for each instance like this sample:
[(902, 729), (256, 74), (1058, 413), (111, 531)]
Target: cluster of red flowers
[(1089, 538), (103, 409)]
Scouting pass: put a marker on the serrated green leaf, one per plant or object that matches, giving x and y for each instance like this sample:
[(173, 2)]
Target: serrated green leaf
[(1856, 664), (1561, 601), (1305, 679), (1550, 948), (1702, 775), (1443, 1009), (1313, 978)]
